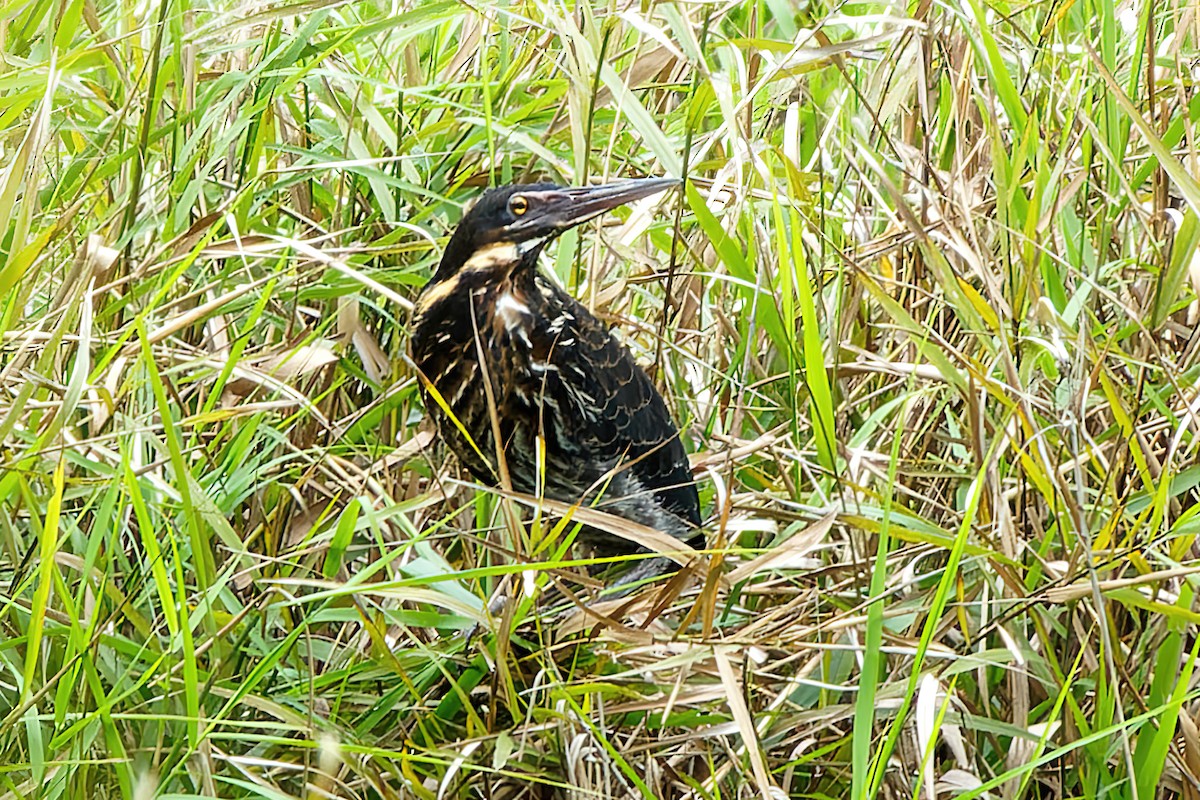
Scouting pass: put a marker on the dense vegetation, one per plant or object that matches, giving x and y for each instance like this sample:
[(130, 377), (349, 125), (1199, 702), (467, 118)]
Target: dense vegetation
[(926, 310)]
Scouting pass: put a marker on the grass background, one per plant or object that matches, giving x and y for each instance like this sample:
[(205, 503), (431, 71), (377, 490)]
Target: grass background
[(926, 310)]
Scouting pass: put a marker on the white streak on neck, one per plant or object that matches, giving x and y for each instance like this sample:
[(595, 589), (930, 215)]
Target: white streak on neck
[(511, 310)]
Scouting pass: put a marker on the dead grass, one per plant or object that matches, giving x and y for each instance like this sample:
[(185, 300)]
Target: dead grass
[(927, 308)]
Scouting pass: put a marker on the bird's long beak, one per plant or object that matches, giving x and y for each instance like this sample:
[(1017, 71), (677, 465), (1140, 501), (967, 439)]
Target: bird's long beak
[(560, 209)]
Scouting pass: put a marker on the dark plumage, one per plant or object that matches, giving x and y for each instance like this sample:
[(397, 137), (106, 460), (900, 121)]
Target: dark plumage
[(555, 370)]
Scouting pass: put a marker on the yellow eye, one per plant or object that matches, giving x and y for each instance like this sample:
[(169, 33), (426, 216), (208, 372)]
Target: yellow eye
[(518, 205)]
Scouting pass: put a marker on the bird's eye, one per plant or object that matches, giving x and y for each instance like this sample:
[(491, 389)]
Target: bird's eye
[(518, 205)]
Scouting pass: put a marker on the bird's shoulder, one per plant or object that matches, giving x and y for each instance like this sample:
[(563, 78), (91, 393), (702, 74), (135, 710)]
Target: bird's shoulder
[(586, 356), (617, 411)]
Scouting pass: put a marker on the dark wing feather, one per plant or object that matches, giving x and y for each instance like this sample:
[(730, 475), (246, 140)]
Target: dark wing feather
[(621, 417)]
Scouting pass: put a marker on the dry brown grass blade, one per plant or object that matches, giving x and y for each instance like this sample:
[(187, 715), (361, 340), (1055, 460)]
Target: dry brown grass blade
[(351, 328), (192, 316), (1081, 589), (641, 535), (609, 618), (1190, 735), (645, 69), (409, 449), (296, 362), (745, 723), (341, 266), (974, 290), (737, 451), (784, 554)]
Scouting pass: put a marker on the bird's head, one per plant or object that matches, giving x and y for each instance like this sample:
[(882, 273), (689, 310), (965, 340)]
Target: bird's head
[(519, 220)]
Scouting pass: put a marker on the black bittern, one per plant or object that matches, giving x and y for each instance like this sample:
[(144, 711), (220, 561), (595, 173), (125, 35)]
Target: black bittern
[(491, 333)]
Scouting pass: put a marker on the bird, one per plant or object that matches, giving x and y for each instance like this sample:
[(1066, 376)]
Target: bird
[(522, 378)]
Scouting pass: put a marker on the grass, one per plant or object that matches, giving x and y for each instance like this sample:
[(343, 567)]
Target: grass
[(926, 309)]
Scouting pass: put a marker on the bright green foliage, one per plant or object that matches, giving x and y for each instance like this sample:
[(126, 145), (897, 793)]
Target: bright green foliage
[(926, 310)]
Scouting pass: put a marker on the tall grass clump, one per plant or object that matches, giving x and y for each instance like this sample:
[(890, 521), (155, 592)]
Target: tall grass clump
[(926, 309)]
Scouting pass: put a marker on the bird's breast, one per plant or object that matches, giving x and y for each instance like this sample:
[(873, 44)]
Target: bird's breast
[(483, 347), (480, 328)]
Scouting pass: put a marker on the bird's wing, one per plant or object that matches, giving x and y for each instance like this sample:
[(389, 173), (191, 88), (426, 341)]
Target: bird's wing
[(620, 416)]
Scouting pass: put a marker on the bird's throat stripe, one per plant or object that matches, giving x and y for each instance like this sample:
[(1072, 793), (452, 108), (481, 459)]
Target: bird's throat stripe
[(498, 255), (492, 258)]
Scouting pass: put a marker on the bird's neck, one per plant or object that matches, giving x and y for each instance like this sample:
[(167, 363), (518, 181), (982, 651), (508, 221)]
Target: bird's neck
[(465, 271), (462, 255), (458, 251)]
